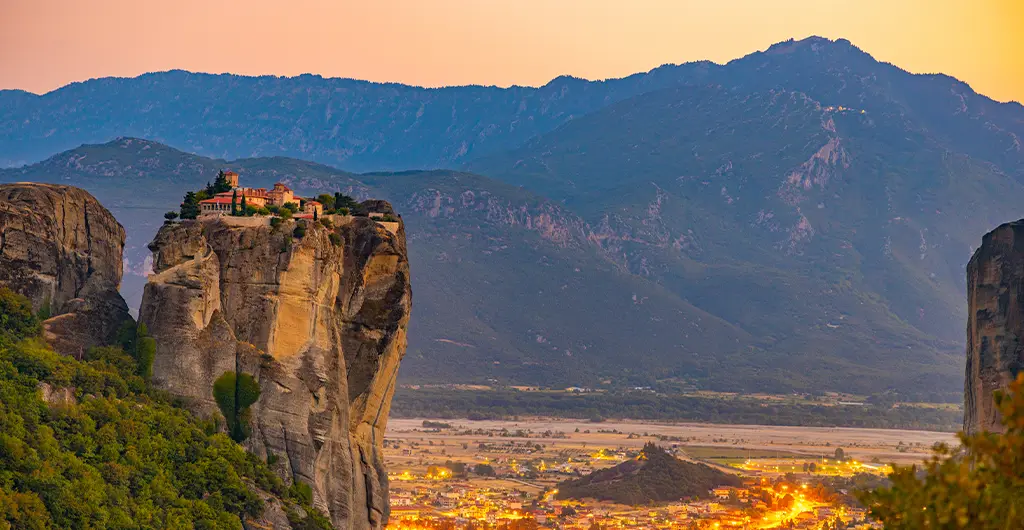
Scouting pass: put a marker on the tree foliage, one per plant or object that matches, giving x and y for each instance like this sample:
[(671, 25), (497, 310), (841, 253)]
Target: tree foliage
[(977, 486), (234, 394), (190, 206), (16, 317), (117, 455)]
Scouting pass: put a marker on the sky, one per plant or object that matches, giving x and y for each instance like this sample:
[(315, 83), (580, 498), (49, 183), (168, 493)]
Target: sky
[(45, 44)]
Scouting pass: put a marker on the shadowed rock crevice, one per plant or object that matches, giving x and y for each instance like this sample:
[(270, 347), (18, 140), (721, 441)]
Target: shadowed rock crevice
[(321, 326)]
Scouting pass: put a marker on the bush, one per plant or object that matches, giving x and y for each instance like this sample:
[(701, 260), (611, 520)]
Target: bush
[(45, 311), (300, 231), (17, 320), (285, 212), (234, 395), (301, 492), (976, 487), (275, 222), (335, 239)]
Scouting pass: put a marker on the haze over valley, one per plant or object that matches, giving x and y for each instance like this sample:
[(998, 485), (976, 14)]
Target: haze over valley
[(797, 220)]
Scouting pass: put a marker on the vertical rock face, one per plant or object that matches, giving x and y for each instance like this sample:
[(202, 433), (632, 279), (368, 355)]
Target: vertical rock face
[(320, 322), (995, 323), (62, 249)]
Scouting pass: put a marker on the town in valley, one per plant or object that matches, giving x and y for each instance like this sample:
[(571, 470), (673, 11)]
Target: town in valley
[(506, 474)]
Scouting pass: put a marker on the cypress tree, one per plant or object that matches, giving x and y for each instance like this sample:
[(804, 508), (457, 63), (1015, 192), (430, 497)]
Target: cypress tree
[(234, 202), (244, 211)]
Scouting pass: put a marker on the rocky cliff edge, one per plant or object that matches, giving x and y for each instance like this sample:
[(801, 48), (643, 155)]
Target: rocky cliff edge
[(62, 249), (995, 323), (317, 315)]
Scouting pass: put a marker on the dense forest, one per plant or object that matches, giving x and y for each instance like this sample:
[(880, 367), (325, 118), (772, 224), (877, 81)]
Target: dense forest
[(90, 444), (508, 404)]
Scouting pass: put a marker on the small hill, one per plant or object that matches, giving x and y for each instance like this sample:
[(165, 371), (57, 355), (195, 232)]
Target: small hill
[(655, 476)]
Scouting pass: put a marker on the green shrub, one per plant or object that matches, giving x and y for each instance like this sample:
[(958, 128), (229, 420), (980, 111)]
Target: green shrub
[(119, 456), (45, 311), (335, 239), (285, 213), (275, 222), (17, 320), (976, 486), (300, 231), (301, 492), (234, 395), (145, 354)]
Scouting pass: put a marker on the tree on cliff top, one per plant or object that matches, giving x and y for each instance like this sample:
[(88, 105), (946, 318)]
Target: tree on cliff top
[(220, 185), (979, 486)]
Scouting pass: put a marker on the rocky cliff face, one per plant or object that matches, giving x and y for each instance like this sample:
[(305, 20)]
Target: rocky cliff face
[(319, 321), (62, 249), (995, 323)]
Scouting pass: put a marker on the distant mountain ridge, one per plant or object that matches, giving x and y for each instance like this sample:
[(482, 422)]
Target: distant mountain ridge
[(361, 125), (505, 279), (795, 220)]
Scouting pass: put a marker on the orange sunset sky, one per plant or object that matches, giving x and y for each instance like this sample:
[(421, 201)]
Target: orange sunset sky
[(45, 44)]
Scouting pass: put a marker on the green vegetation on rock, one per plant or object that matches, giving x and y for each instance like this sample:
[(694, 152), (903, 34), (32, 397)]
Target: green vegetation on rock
[(234, 395), (102, 450)]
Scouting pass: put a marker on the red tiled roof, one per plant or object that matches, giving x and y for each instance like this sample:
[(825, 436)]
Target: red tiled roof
[(259, 192), (217, 200)]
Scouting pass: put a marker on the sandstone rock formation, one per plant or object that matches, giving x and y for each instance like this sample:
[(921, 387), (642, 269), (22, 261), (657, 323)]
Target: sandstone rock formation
[(995, 323), (62, 249), (320, 322)]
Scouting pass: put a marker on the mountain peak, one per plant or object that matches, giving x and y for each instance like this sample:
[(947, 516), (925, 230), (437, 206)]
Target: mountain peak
[(813, 44)]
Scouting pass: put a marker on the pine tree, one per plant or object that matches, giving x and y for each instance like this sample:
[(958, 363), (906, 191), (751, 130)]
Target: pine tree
[(220, 184), (190, 206)]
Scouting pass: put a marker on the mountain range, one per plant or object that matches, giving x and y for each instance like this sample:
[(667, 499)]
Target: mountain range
[(795, 220)]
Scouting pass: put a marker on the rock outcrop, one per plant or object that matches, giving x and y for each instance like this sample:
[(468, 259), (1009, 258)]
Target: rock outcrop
[(995, 323), (317, 318), (62, 249)]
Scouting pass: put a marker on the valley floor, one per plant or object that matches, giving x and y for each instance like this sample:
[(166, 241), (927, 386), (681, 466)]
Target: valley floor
[(505, 475)]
